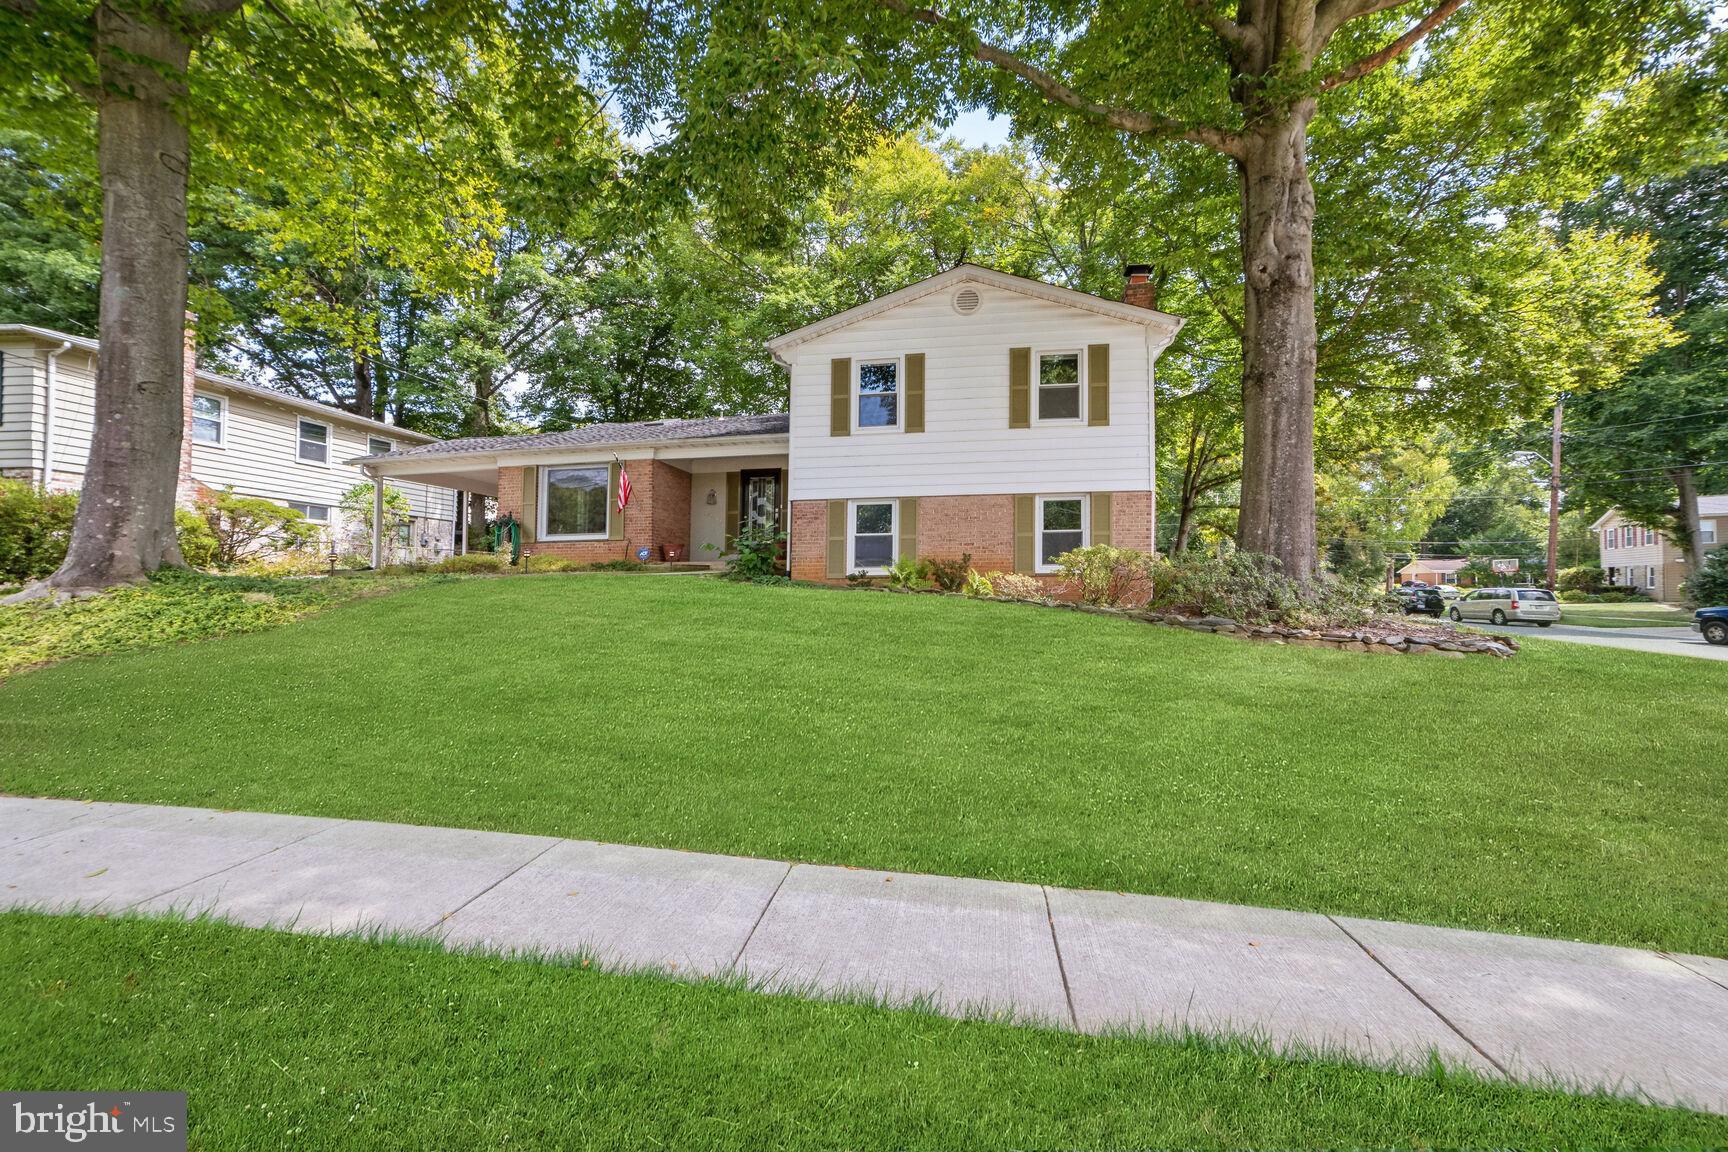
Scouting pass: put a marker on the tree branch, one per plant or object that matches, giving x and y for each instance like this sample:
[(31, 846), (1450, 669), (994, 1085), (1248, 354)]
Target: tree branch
[(1395, 49), (1332, 15), (1128, 120)]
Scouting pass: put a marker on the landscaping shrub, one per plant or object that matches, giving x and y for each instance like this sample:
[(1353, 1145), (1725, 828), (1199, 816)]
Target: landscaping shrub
[(247, 526), (477, 562), (35, 527), (197, 542), (614, 566), (1585, 578), (1709, 588), (1251, 589), (908, 573), (949, 575), (859, 579), (1112, 577), (756, 553), (978, 585), (1574, 596), (306, 562), (1016, 586)]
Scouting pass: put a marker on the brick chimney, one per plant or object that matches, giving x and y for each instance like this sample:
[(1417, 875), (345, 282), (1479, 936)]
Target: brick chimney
[(185, 488), (1137, 286)]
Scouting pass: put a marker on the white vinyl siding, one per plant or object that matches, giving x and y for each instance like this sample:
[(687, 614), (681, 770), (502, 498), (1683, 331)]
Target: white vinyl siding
[(967, 447)]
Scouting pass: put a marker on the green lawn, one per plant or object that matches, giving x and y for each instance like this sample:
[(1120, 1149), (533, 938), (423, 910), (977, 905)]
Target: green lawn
[(380, 1045), (1631, 615), (1570, 791)]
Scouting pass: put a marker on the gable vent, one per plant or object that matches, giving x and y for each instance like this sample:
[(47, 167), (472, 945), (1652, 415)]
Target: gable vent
[(966, 301)]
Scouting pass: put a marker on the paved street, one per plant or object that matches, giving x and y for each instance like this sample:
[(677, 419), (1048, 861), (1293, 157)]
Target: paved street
[(1579, 1016), (1667, 641)]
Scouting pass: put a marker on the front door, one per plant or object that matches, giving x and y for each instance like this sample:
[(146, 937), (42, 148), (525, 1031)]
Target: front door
[(759, 499)]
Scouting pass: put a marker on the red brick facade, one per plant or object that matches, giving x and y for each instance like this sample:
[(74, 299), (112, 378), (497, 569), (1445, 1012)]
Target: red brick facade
[(951, 526), (657, 517)]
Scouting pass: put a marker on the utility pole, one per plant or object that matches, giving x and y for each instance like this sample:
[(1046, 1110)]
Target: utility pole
[(1554, 495)]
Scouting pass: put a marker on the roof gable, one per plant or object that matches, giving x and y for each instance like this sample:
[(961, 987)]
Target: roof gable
[(1161, 323)]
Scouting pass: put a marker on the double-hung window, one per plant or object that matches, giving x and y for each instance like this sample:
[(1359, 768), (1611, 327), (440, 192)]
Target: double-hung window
[(878, 393), (314, 442), (1706, 531), (574, 503), (316, 513), (1059, 394), (1061, 525), (871, 540), (209, 415)]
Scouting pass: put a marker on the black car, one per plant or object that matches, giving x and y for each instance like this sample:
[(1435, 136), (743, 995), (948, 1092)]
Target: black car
[(1421, 601)]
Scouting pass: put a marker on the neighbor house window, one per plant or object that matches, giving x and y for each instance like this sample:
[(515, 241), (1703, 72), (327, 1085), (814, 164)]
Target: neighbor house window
[(377, 446), (879, 394), (574, 503), (1061, 528), (314, 442), (208, 417), (1706, 531), (1059, 386), (872, 541), (1650, 577), (1649, 535), (317, 513)]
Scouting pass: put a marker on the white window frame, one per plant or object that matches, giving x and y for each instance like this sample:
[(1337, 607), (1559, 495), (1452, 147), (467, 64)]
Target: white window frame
[(852, 507), (858, 425), (389, 444), (1038, 564), (221, 440), (299, 505), (1038, 355), (1707, 533), (541, 532), (1650, 576), (300, 441)]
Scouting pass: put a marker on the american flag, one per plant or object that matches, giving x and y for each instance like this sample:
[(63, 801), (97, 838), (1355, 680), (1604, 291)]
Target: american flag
[(623, 489)]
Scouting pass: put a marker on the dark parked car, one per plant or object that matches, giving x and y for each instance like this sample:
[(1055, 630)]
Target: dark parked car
[(1713, 622), (1421, 601)]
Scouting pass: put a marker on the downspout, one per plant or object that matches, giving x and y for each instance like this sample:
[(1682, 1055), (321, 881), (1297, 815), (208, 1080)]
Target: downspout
[(53, 378)]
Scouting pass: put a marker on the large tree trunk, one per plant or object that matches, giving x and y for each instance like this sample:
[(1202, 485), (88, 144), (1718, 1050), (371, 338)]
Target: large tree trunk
[(1687, 484), (1278, 345), (124, 529)]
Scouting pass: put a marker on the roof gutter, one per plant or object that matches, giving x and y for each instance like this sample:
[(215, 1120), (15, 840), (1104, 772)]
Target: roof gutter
[(624, 449), (53, 378)]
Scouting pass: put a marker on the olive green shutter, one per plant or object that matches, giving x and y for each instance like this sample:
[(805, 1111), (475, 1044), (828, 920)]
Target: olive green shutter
[(840, 396), (914, 392), (732, 501), (1019, 387), (909, 527), (1100, 518), (530, 514), (1098, 384), (836, 539), (1025, 538), (614, 518)]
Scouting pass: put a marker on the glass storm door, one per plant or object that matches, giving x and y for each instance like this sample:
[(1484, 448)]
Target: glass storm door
[(760, 506)]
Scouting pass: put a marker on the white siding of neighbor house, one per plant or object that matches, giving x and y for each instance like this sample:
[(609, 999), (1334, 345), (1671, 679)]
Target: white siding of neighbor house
[(258, 455), (967, 447)]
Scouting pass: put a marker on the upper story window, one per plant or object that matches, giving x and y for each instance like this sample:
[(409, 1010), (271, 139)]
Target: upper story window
[(1706, 531), (378, 445), (879, 393), (574, 503), (209, 419), (314, 442), (1059, 394)]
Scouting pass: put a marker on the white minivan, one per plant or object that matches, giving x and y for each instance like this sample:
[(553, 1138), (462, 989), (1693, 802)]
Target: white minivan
[(1508, 606)]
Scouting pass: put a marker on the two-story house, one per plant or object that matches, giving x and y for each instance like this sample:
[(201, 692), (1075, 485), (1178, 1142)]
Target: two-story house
[(258, 441), (1638, 557), (974, 412)]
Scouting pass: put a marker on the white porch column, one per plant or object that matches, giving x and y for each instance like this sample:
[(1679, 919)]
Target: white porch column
[(462, 522), (377, 520)]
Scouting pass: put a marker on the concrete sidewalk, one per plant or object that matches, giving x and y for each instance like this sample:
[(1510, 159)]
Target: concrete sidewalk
[(1581, 1016)]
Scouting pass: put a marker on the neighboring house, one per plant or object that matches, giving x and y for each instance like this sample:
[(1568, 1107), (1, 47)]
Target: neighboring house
[(973, 412), (1432, 571), (1639, 557), (257, 440)]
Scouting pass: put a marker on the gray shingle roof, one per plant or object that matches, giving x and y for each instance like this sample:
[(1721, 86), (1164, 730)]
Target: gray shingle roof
[(604, 435)]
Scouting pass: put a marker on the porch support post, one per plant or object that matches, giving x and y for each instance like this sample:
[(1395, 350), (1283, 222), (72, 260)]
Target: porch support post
[(377, 520), (462, 521)]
